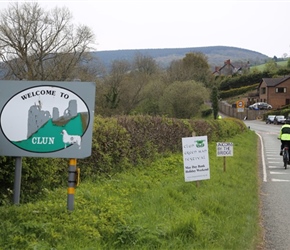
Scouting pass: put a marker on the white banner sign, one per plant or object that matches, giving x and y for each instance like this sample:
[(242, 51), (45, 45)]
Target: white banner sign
[(195, 158), (224, 149)]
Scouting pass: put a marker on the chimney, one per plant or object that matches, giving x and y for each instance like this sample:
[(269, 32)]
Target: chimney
[(228, 62)]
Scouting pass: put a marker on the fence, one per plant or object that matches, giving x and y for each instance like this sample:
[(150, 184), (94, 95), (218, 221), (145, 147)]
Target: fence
[(249, 114)]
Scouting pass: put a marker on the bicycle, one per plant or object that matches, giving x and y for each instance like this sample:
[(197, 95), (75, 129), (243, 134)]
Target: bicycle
[(285, 156)]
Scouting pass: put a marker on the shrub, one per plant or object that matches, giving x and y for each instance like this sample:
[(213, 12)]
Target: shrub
[(118, 143)]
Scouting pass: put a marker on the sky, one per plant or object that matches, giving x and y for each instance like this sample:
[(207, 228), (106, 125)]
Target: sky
[(258, 25)]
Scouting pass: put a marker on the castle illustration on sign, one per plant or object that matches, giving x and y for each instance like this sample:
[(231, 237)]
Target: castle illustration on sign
[(48, 132), (37, 117)]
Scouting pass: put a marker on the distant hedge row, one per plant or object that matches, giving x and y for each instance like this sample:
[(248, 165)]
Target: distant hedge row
[(237, 91), (249, 79), (242, 81), (118, 144)]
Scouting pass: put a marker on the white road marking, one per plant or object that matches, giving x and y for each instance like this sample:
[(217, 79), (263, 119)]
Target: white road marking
[(279, 180), (263, 159), (276, 166), (278, 173)]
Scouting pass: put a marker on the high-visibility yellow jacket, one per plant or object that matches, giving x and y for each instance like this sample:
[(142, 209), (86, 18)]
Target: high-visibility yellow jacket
[(285, 133)]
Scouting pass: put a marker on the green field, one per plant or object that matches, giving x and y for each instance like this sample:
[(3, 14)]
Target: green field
[(262, 66)]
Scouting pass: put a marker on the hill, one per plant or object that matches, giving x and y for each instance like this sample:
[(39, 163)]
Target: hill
[(216, 55)]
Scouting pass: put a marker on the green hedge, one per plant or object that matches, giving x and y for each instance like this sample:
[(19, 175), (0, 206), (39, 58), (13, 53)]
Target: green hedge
[(118, 144), (237, 91)]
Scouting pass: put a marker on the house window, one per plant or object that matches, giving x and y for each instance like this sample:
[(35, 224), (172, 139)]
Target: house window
[(280, 90), (263, 90)]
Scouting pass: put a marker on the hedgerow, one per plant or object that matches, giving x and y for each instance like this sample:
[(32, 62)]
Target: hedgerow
[(118, 144)]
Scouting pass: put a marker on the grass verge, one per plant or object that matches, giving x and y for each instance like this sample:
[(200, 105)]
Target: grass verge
[(151, 207)]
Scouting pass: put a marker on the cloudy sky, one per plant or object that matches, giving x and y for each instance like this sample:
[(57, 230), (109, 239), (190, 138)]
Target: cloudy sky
[(257, 25)]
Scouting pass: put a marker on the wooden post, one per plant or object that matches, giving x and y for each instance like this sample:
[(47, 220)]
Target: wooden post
[(224, 164), (197, 184)]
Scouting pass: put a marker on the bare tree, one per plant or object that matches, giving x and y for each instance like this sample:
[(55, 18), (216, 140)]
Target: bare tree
[(145, 69), (113, 85), (41, 45), (145, 64)]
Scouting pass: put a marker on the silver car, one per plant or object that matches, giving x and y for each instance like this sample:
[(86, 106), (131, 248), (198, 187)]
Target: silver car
[(270, 119), (279, 119)]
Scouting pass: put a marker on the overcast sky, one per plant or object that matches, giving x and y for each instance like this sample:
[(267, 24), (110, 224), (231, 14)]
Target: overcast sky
[(260, 25)]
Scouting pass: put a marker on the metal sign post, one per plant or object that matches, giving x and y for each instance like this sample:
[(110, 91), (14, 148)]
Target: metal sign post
[(72, 171), (17, 180)]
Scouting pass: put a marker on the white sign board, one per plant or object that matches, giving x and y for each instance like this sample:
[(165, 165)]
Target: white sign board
[(46, 118), (195, 158), (224, 149)]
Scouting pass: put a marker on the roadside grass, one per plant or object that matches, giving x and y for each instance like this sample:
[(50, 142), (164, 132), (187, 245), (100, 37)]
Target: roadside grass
[(151, 207)]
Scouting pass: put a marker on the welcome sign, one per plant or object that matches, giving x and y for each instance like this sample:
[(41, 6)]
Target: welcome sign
[(46, 119)]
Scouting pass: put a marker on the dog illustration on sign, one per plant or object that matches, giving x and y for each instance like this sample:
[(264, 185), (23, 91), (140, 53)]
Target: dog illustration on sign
[(71, 139)]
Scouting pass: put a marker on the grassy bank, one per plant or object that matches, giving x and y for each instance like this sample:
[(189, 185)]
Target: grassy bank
[(148, 208)]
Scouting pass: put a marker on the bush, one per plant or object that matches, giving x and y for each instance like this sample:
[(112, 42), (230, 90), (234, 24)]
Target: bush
[(118, 144), (206, 113)]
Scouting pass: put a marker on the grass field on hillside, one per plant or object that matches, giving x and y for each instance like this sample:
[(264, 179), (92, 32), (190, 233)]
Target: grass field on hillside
[(261, 67)]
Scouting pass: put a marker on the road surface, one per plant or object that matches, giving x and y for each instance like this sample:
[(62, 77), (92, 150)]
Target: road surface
[(275, 187)]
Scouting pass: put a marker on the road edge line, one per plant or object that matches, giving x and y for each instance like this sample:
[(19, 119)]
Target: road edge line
[(263, 159)]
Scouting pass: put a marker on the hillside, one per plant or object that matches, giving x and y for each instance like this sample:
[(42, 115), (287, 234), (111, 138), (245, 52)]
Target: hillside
[(216, 55)]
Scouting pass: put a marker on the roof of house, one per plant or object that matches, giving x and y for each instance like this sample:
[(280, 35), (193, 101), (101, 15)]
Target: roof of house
[(272, 82), (226, 63)]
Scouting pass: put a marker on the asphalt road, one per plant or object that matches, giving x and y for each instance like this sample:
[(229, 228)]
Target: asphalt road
[(275, 187)]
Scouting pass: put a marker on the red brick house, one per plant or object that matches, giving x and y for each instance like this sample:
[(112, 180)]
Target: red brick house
[(275, 91)]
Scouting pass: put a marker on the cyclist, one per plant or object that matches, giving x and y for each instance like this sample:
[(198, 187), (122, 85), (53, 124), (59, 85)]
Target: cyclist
[(284, 135)]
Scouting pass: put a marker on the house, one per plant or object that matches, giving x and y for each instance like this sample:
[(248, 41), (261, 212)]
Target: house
[(275, 91), (227, 69)]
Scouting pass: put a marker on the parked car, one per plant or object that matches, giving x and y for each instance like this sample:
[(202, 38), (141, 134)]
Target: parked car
[(279, 119), (264, 105), (260, 106), (254, 106), (270, 119)]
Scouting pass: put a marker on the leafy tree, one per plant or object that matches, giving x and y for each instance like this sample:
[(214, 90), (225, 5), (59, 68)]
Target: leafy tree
[(288, 63), (175, 71), (194, 66), (41, 45), (183, 100), (152, 94), (271, 66), (214, 101)]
